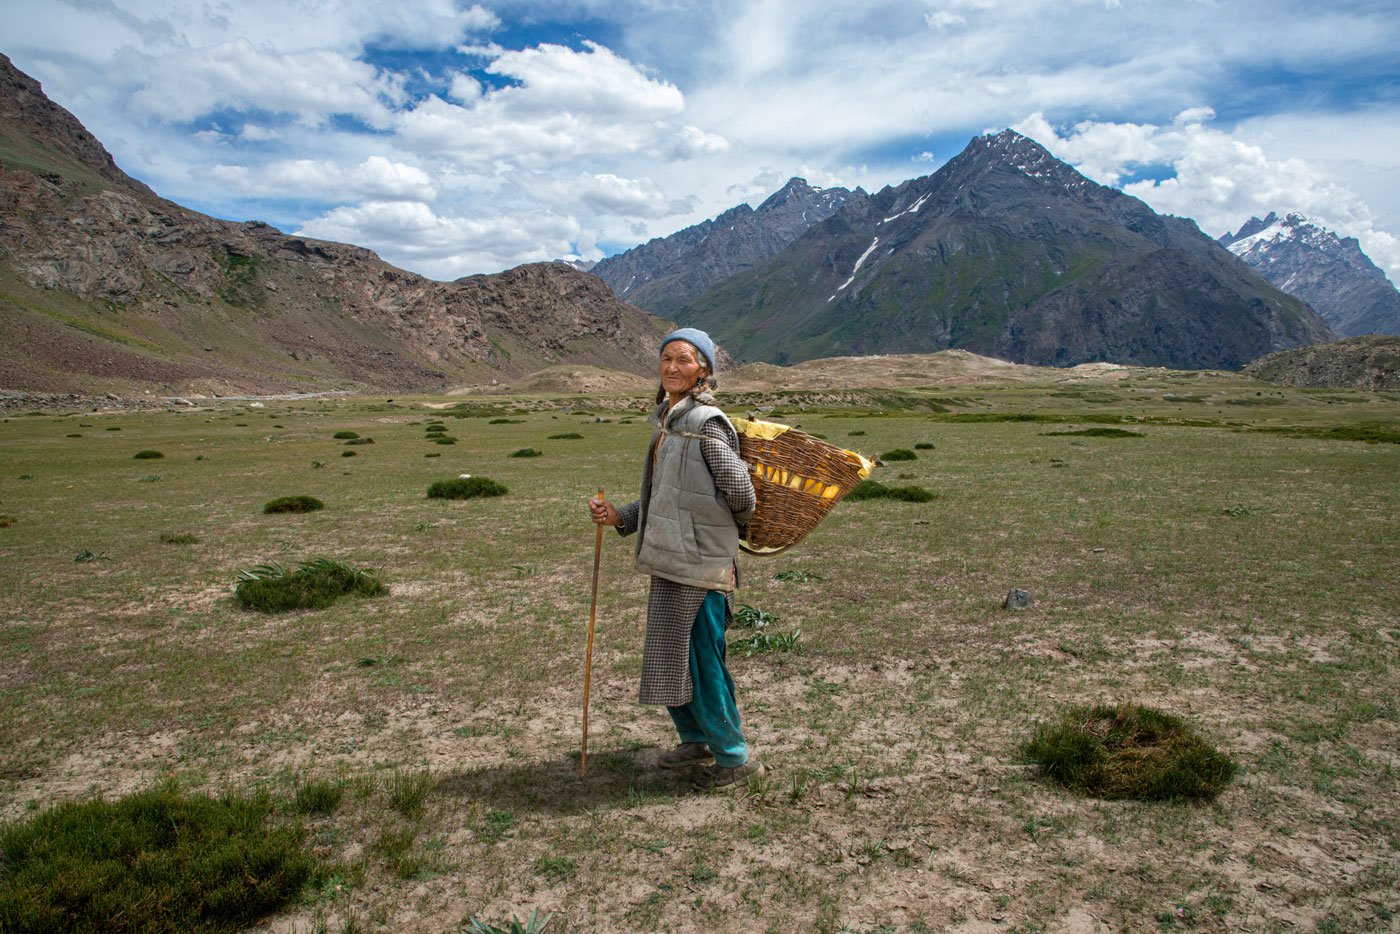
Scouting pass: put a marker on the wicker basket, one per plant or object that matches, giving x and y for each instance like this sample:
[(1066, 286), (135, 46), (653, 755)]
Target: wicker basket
[(796, 479)]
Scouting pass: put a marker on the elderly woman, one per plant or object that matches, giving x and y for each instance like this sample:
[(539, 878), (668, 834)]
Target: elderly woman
[(696, 496)]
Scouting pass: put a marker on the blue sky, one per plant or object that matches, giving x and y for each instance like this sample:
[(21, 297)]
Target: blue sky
[(455, 138)]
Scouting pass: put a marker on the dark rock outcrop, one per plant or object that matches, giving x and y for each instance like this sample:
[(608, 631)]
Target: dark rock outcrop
[(1369, 362)]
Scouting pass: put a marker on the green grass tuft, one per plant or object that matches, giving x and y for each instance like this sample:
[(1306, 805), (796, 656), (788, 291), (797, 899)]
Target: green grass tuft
[(360, 441), (314, 584), (1129, 751), (147, 455), (317, 796), (6, 521), (923, 446), (526, 452), (566, 436), (345, 435), (1369, 432), (408, 791), (294, 504), (348, 453), (874, 489), (465, 488), (899, 454), (556, 868), (178, 538), (1093, 433), (158, 860)]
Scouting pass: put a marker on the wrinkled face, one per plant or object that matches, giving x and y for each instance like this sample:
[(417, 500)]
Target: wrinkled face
[(681, 366)]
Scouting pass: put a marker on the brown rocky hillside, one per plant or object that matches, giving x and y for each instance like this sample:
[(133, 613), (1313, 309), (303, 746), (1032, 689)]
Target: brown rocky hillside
[(1370, 362), (106, 287)]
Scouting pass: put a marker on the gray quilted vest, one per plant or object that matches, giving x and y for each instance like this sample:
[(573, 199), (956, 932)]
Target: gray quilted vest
[(685, 531)]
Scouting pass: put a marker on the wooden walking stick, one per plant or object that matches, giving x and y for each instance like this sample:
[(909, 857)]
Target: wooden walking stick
[(588, 659)]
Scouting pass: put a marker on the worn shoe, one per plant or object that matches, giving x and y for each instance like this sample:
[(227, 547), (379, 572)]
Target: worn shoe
[(721, 776), (685, 755)]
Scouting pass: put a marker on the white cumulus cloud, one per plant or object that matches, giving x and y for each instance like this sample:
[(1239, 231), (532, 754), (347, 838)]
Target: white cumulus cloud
[(448, 247), (376, 178)]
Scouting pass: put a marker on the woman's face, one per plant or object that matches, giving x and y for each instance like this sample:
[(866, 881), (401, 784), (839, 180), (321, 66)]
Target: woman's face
[(681, 366)]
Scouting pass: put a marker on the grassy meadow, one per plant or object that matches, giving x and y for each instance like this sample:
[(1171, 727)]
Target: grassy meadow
[(1233, 562)]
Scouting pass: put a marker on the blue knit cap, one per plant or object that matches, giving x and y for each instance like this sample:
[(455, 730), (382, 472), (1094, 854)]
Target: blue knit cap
[(697, 339)]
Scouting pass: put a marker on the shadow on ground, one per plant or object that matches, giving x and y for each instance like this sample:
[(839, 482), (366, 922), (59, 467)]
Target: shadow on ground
[(617, 778)]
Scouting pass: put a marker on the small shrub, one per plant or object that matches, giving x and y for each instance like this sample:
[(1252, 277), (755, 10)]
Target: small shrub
[(294, 503), (855, 434), (6, 521), (1129, 751), (345, 435), (434, 454), (444, 439), (178, 538), (314, 584), (435, 430), (113, 428), (923, 446), (87, 555), (506, 421), (1237, 511), (349, 453), (750, 617), (526, 452), (764, 641), (899, 454), (157, 860), (147, 455), (78, 435), (566, 436), (360, 441), (465, 488)]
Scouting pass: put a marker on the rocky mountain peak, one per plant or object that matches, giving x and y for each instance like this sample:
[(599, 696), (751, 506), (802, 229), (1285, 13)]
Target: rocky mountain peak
[(1300, 256), (25, 107), (1008, 252), (665, 273)]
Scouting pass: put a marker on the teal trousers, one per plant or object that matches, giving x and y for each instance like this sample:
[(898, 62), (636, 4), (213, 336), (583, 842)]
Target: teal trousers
[(712, 717)]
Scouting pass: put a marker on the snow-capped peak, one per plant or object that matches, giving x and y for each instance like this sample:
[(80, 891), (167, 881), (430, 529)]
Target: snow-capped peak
[(1295, 227)]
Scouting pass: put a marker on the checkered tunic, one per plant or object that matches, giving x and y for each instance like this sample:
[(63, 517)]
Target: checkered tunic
[(672, 607)]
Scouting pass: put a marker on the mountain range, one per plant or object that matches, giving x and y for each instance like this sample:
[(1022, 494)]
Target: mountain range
[(1329, 272), (1004, 251), (105, 286), (667, 273), (1008, 252)]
